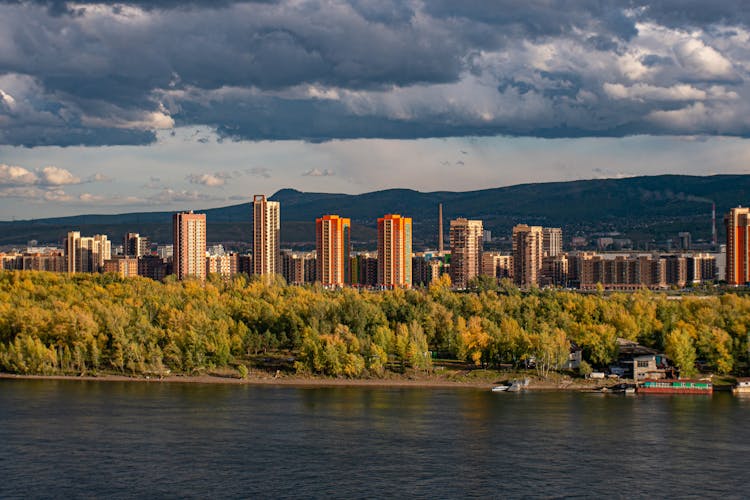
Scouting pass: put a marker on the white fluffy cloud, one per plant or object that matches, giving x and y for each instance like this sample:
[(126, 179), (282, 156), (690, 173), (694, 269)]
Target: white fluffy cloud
[(702, 60), (56, 176), (316, 172), (35, 194), (643, 91), (216, 179), (172, 195), (11, 175)]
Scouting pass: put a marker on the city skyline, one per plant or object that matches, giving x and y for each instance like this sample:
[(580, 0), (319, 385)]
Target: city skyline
[(257, 97), (537, 258)]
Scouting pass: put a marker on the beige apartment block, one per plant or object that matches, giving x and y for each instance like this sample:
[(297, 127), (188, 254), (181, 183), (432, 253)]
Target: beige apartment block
[(86, 254), (189, 239), (466, 250), (266, 236), (527, 255)]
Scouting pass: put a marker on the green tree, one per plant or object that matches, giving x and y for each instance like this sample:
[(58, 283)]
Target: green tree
[(679, 348)]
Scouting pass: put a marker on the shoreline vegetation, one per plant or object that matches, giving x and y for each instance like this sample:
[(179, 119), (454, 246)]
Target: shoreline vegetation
[(252, 329)]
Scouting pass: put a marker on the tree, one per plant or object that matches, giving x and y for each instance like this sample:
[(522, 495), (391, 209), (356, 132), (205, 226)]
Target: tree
[(584, 369), (483, 283), (475, 341), (551, 349), (679, 348)]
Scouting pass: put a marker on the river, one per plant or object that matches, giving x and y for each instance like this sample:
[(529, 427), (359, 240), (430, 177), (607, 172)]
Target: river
[(84, 439)]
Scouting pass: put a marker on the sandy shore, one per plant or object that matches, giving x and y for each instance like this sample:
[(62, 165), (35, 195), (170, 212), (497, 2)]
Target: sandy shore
[(283, 380), (298, 381)]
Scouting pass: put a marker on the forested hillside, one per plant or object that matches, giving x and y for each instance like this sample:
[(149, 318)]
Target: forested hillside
[(641, 208)]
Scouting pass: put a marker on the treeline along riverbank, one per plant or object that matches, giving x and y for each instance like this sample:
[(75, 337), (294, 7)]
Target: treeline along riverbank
[(89, 324)]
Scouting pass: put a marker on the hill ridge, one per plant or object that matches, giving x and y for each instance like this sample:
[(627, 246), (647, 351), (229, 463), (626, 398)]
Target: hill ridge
[(642, 207)]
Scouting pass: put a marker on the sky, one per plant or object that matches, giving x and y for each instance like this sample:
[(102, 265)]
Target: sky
[(152, 105)]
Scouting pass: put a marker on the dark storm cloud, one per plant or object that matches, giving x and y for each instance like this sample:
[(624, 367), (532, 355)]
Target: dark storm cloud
[(115, 73), (696, 13)]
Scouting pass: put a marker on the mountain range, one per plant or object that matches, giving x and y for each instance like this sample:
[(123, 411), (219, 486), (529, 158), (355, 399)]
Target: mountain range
[(644, 209)]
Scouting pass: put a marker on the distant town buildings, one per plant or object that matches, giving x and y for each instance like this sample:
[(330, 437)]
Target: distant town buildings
[(497, 265), (125, 267), (154, 267), (466, 238), (34, 259), (266, 236), (86, 254), (365, 269), (551, 241), (298, 268), (165, 251), (555, 270), (219, 264), (394, 251), (134, 245), (629, 272), (189, 240)]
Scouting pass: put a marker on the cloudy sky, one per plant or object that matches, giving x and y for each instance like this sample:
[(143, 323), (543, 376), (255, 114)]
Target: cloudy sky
[(168, 104)]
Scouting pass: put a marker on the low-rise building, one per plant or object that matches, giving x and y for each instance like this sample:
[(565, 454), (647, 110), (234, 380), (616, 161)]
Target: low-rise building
[(125, 267), (154, 267), (497, 265)]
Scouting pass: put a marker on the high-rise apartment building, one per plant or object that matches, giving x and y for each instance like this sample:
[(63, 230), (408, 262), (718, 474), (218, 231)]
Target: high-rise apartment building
[(466, 238), (86, 254), (333, 244), (527, 255), (189, 240), (135, 245), (266, 236), (394, 251), (737, 223), (441, 250), (551, 241)]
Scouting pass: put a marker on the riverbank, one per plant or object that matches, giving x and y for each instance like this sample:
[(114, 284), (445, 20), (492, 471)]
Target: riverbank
[(413, 381)]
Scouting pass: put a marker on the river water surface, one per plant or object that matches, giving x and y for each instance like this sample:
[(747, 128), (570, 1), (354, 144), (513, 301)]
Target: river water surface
[(73, 439)]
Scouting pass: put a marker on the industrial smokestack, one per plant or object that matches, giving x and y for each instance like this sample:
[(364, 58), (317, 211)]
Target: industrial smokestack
[(713, 224), (440, 229)]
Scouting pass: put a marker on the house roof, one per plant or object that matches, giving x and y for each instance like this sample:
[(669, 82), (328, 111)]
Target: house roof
[(628, 349)]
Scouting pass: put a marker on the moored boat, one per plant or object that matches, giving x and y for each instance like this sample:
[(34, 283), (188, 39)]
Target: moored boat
[(742, 387), (675, 386)]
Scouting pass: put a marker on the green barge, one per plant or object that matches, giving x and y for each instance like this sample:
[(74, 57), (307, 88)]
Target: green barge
[(675, 386)]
